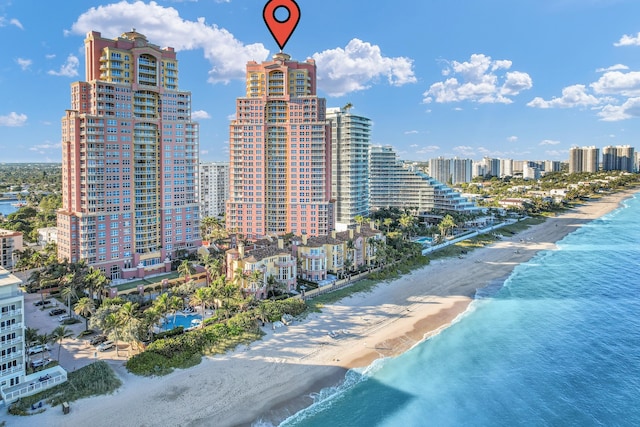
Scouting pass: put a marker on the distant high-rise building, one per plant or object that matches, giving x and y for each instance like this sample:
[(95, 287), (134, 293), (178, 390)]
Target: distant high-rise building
[(451, 171), (506, 167), (214, 188), (280, 153), (585, 159), (530, 170), (129, 161), (619, 158), (552, 166), (350, 142)]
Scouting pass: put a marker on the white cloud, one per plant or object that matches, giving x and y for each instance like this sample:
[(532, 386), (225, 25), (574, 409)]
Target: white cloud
[(618, 83), (616, 67), (4, 22), (512, 138), (558, 154), (164, 26), (13, 120), (42, 148), (549, 142), (614, 113), (200, 115), (414, 146), (628, 40), (24, 63), (410, 132), (68, 69), (478, 80), (428, 149), (464, 150), (357, 66), (50, 56), (572, 96)]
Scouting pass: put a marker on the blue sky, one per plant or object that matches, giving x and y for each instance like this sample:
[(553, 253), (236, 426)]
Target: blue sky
[(523, 79)]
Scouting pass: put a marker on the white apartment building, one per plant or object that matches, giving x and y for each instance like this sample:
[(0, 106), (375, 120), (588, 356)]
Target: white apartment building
[(10, 243), (214, 188), (350, 142), (394, 184), (14, 380)]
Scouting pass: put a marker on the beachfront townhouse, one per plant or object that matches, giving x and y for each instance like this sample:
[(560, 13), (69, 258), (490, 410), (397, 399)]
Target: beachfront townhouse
[(262, 265), (338, 253)]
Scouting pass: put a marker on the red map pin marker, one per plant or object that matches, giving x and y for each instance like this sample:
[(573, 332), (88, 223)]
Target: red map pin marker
[(281, 30)]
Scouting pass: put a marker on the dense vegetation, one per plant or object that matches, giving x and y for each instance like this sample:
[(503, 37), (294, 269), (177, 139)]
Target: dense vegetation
[(39, 186), (92, 380)]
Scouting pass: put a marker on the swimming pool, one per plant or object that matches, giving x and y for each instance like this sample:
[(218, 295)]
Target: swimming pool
[(425, 240), (184, 320)]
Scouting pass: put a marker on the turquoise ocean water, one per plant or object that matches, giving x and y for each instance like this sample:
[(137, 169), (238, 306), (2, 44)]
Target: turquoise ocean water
[(556, 344)]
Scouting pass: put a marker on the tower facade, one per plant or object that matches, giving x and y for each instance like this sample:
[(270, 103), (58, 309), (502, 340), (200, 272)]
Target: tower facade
[(350, 142), (214, 188), (619, 158), (585, 159), (280, 153), (129, 161)]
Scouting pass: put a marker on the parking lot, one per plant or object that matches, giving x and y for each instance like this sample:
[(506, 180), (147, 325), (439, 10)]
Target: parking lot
[(75, 352)]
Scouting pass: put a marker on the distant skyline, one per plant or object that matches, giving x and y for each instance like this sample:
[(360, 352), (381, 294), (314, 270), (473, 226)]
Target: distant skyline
[(523, 79)]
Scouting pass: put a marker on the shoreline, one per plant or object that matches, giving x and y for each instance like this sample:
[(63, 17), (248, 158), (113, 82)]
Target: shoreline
[(274, 378)]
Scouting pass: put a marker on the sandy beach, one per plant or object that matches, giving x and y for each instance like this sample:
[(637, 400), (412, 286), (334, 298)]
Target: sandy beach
[(274, 377)]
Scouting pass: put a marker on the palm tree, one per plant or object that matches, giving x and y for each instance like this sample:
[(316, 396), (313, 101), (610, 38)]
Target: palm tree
[(96, 283), (129, 320), (166, 304), (111, 326), (30, 336), (58, 334), (238, 277), (200, 298), (255, 279), (69, 291), (85, 308), (406, 222), (186, 269), (262, 313), (387, 223), (44, 341), (446, 223)]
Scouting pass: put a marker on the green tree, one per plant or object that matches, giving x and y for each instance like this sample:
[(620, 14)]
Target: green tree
[(58, 334), (85, 308), (186, 269)]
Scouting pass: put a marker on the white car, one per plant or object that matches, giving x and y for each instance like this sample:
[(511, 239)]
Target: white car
[(106, 346), (38, 349), (40, 362), (63, 318)]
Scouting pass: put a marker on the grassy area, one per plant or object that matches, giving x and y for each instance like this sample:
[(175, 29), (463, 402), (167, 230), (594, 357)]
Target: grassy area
[(92, 380), (133, 284)]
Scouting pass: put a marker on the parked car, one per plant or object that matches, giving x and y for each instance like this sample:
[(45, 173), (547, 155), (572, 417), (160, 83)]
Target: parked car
[(63, 318), (98, 339), (106, 346), (38, 349), (40, 362), (42, 302), (57, 311)]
